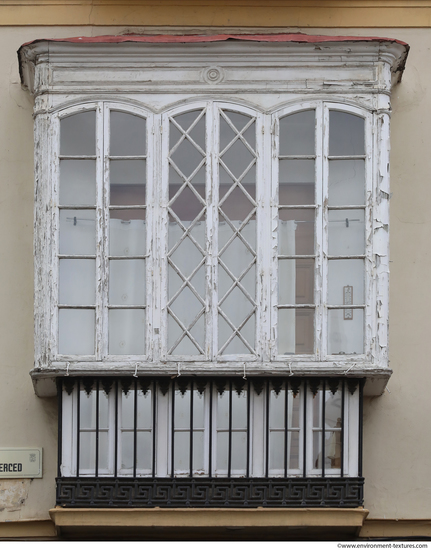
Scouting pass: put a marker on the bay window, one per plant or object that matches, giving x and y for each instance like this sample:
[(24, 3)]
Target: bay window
[(211, 263)]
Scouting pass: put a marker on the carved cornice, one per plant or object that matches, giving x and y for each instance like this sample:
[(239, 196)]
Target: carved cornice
[(291, 63)]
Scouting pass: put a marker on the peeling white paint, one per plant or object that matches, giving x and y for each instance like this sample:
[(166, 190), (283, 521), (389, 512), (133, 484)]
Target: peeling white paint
[(270, 83)]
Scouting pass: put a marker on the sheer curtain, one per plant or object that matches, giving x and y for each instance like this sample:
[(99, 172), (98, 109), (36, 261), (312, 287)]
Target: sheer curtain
[(127, 288)]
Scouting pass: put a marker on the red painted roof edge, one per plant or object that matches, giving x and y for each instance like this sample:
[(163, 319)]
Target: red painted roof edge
[(173, 39)]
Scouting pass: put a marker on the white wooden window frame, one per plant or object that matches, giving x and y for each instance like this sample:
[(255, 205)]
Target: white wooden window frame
[(269, 79), (157, 222)]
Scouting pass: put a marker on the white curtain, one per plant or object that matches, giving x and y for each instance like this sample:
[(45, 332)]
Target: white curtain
[(127, 287)]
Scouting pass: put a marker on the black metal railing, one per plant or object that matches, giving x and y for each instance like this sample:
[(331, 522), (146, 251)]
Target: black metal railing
[(208, 442)]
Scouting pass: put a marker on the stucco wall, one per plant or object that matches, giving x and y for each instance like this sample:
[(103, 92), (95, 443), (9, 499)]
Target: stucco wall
[(397, 434)]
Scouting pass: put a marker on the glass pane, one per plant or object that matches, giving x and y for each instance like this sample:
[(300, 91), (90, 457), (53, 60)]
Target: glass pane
[(127, 409), (346, 282), (87, 409), (127, 450), (144, 443), (346, 182), (296, 182), (296, 232), (77, 283), (333, 410), (240, 162), (182, 451), (239, 451), (145, 410), (127, 331), (293, 443), (77, 232), (223, 411), (187, 204), (276, 451), (346, 331), (187, 144), (237, 345), (294, 409), (295, 282), (78, 182), (128, 134), (237, 205), (182, 409), (317, 450), (198, 452), (346, 233), (127, 282), (295, 331), (333, 449), (198, 409), (103, 450), (127, 179), (76, 331), (78, 134), (277, 410), (103, 409), (181, 344), (297, 134), (222, 452), (346, 134), (239, 410), (317, 409), (127, 233), (185, 122), (87, 451), (127, 172)]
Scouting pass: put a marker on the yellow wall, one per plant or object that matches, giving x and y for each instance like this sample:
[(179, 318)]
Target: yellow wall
[(397, 443), (231, 13)]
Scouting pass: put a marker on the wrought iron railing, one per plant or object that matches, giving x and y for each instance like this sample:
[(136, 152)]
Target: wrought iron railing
[(209, 442)]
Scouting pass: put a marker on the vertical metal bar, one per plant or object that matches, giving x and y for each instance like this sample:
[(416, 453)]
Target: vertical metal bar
[(60, 425), (210, 443), (361, 412), (267, 430), (173, 429), (342, 429), (97, 429), (304, 428), (191, 429), (135, 426), (323, 426), (286, 424), (153, 466), (229, 459), (116, 430), (248, 428), (78, 425)]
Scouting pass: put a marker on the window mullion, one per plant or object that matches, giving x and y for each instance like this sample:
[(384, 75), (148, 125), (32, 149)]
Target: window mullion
[(54, 220), (102, 209), (211, 197), (370, 281), (213, 137), (152, 336), (321, 224), (322, 228), (273, 222), (160, 240), (263, 249)]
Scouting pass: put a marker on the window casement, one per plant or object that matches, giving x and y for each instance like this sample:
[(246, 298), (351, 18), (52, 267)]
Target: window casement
[(263, 246)]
